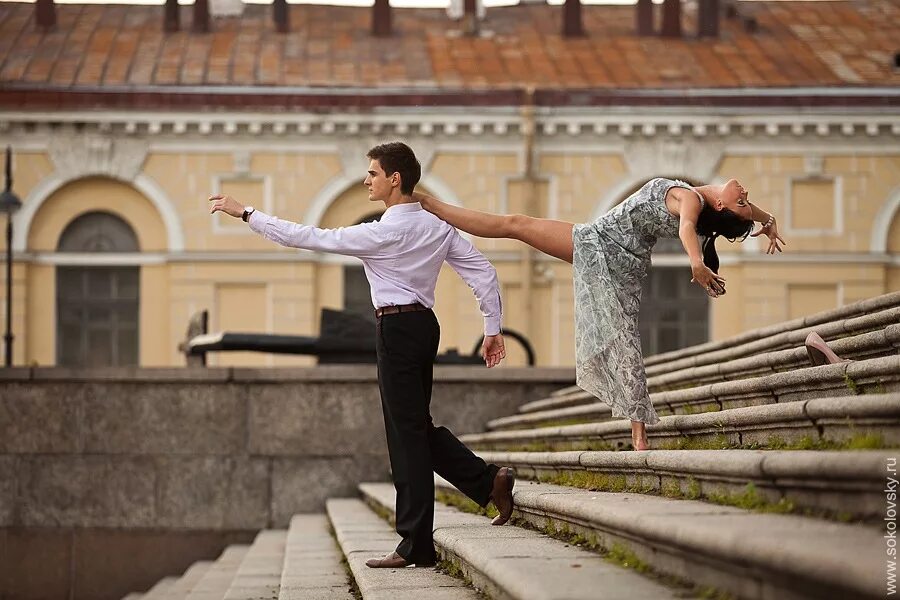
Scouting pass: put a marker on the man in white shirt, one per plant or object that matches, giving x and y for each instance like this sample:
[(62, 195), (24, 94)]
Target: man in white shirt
[(402, 256)]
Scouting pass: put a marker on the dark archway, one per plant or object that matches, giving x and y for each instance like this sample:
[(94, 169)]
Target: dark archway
[(97, 307)]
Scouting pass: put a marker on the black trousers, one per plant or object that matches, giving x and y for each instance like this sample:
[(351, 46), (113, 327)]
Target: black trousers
[(406, 346)]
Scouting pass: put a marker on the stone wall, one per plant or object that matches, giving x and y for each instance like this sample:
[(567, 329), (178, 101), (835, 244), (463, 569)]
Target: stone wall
[(172, 464)]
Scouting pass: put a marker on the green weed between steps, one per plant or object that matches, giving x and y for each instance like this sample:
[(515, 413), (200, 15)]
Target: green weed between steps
[(351, 580), (858, 441), (451, 568), (617, 554), (750, 498), (464, 504), (622, 556)]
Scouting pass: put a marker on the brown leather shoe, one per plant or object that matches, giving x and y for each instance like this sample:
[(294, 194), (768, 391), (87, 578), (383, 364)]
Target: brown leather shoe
[(388, 561), (819, 353), (502, 496)]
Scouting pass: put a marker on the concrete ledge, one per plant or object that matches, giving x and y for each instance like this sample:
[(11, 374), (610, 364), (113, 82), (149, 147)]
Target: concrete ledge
[(837, 482), (751, 555), (834, 419), (882, 374), (864, 307), (363, 535), (323, 373), (259, 574), (312, 562), (511, 562)]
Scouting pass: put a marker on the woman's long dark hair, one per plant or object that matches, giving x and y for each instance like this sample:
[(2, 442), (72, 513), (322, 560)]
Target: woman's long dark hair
[(726, 223)]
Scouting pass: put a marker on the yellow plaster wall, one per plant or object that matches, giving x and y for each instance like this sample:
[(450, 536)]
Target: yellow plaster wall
[(569, 187)]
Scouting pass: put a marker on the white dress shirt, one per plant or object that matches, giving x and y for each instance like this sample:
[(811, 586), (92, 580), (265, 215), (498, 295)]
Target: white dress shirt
[(402, 255)]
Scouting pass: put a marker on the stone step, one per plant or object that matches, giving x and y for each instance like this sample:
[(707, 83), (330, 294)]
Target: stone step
[(362, 535), (133, 596), (846, 485), (875, 374), (181, 588), (519, 564), (844, 316), (159, 589), (217, 579), (312, 562), (833, 420), (884, 341), (750, 555), (259, 574)]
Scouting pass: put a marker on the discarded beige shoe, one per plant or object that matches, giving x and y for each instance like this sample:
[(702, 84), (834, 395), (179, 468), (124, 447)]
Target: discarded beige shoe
[(819, 353)]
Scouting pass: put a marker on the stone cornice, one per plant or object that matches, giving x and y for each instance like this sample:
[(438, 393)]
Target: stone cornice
[(463, 124)]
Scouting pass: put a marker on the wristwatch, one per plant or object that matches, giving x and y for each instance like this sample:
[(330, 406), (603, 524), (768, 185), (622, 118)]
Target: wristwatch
[(248, 210)]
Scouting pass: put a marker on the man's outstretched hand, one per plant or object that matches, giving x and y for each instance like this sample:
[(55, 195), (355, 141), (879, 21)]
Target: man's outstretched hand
[(227, 205), (493, 350)]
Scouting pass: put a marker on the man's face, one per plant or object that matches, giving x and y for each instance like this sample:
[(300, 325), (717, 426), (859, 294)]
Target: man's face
[(379, 184)]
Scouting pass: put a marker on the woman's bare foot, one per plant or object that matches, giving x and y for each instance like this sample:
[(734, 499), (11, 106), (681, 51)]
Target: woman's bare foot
[(639, 439)]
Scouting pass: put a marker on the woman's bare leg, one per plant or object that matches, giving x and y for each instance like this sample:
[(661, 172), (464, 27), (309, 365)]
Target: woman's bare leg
[(639, 436), (548, 236)]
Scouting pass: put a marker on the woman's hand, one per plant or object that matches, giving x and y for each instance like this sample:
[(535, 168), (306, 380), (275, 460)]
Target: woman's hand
[(422, 199), (704, 277), (771, 231)]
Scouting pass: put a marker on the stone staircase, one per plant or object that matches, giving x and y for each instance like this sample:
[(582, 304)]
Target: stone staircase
[(767, 482)]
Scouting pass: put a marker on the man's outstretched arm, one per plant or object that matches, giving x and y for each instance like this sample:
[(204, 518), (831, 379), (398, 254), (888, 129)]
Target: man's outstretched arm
[(481, 276), (359, 240)]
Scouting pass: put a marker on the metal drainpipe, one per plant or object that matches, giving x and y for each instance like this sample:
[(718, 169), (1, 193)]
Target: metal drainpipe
[(531, 208)]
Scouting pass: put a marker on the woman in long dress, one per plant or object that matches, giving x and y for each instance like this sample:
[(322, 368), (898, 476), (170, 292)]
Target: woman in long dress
[(611, 257)]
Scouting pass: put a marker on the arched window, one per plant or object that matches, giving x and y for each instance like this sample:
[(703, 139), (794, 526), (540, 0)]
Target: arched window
[(97, 306), (357, 293)]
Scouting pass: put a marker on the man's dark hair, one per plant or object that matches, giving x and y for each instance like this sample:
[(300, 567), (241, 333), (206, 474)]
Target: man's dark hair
[(397, 157)]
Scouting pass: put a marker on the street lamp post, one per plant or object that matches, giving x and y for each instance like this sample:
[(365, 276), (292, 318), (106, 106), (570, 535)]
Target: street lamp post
[(9, 203)]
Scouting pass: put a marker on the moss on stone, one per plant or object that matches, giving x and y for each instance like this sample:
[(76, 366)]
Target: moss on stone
[(851, 384), (752, 499), (464, 504)]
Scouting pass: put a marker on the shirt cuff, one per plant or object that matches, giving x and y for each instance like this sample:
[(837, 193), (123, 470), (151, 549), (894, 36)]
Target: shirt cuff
[(258, 221), (491, 325)]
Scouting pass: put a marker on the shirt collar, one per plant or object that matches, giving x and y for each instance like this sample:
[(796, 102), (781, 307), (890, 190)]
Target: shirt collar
[(405, 207)]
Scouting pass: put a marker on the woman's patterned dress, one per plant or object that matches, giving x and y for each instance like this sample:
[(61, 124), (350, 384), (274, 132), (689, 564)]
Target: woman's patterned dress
[(611, 258)]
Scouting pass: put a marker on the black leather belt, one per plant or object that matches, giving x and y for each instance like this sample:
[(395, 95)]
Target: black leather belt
[(398, 308)]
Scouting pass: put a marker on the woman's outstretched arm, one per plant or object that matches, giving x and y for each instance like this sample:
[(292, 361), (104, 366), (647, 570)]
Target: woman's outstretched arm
[(548, 236)]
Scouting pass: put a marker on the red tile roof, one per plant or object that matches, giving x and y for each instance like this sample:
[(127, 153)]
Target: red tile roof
[(99, 49)]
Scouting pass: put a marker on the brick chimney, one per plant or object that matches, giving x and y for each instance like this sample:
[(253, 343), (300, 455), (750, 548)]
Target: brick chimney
[(572, 23), (644, 17), (708, 15), (381, 18), (45, 14), (671, 24)]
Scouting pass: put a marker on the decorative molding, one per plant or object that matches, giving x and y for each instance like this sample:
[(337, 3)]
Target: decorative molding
[(242, 162), (890, 211), (465, 123), (673, 157), (142, 183), (76, 156), (837, 206), (814, 165)]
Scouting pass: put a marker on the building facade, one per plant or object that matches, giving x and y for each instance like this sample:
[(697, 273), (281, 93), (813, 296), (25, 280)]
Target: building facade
[(115, 249)]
